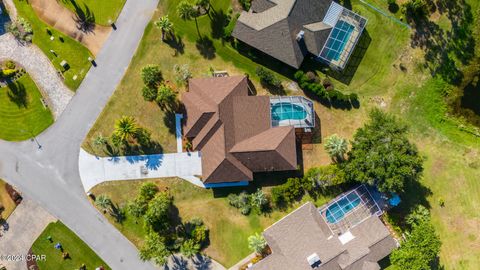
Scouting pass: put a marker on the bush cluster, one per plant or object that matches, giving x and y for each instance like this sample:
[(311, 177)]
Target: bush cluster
[(310, 84), (267, 78), (246, 4), (246, 202)]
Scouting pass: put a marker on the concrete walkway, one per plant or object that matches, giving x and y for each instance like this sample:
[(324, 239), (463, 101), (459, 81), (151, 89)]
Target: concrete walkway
[(178, 131), (25, 224), (95, 170), (40, 68), (63, 19)]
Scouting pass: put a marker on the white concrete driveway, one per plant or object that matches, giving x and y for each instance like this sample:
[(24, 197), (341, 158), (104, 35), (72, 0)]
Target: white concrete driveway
[(95, 170)]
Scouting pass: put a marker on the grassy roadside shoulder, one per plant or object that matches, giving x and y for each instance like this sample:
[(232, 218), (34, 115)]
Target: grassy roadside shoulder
[(65, 48), (79, 253), (103, 11)]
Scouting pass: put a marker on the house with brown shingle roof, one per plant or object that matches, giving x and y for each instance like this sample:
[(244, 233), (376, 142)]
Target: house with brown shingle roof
[(290, 30), (233, 131), (303, 240)]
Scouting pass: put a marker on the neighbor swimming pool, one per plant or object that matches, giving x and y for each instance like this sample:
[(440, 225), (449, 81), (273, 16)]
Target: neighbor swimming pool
[(340, 208), (337, 40), (288, 111)]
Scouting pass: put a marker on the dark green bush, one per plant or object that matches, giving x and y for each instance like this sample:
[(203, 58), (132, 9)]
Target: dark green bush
[(267, 78), (149, 93), (245, 4)]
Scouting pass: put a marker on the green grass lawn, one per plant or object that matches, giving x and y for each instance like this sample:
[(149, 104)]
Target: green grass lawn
[(79, 252), (102, 10), (69, 49), (229, 229), (22, 115)]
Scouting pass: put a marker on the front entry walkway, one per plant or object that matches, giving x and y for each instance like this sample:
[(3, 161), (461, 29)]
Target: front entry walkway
[(95, 170)]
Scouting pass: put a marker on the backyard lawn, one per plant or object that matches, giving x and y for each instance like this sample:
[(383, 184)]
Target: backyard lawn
[(79, 252), (22, 114), (5, 201), (102, 10), (65, 48), (229, 229)]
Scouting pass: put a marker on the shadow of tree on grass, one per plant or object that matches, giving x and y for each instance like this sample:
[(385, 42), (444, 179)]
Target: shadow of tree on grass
[(18, 94)]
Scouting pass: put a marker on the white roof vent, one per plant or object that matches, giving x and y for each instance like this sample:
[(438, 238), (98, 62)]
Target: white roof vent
[(314, 260), (346, 237), (300, 35)]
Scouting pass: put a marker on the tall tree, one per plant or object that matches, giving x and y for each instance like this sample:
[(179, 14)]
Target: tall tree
[(187, 11), (158, 210), (382, 156), (257, 243), (420, 249), (165, 25), (189, 248), (336, 147), (154, 248), (203, 4), (126, 129)]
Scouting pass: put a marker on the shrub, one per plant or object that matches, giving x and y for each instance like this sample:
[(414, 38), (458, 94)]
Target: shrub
[(182, 74), (5, 73), (312, 77), (267, 78), (289, 192), (259, 200), (151, 76), (241, 201), (228, 30), (10, 64), (149, 93), (148, 191), (245, 4)]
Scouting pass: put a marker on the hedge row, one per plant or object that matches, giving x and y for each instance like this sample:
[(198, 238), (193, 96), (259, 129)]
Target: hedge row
[(309, 85)]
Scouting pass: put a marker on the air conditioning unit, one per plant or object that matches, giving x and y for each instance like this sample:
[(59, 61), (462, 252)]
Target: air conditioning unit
[(314, 260)]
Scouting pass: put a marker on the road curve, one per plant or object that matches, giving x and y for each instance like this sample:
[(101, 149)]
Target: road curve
[(50, 175)]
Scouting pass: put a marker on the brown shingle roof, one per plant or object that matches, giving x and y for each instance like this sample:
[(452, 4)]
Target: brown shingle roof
[(304, 232), (231, 117)]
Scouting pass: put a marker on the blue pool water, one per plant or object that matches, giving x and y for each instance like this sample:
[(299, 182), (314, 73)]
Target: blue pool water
[(338, 39), (288, 111), (340, 208)]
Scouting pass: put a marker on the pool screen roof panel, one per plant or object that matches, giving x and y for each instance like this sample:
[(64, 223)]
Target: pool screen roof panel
[(343, 38)]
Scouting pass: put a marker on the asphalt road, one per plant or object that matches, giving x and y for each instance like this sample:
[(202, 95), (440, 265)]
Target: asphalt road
[(50, 175)]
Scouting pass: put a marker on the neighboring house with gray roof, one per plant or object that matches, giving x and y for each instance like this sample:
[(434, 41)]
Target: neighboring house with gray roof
[(290, 30), (303, 240)]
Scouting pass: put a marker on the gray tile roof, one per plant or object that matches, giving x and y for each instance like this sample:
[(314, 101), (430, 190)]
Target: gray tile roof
[(274, 30), (304, 232)]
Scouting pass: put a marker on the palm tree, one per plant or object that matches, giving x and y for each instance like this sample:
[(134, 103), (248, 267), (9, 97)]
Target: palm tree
[(126, 128), (257, 243), (204, 4), (165, 25), (336, 147), (104, 202), (186, 11)]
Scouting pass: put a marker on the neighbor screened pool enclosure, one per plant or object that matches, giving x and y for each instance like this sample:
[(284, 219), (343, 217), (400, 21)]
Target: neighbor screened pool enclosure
[(347, 29), (349, 209)]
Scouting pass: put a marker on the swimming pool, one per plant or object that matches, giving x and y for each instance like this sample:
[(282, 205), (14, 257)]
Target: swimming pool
[(288, 111), (340, 208), (338, 39)]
